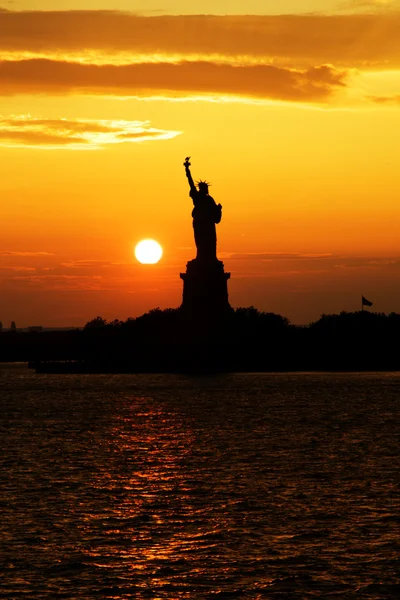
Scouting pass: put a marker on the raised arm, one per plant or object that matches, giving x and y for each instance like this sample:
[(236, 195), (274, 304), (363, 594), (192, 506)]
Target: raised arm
[(186, 164)]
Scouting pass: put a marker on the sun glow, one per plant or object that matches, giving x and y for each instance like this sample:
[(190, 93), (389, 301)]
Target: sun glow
[(148, 252)]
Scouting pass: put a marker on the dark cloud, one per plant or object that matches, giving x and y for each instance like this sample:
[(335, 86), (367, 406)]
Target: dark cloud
[(134, 136), (37, 138), (61, 124), (260, 81), (308, 39)]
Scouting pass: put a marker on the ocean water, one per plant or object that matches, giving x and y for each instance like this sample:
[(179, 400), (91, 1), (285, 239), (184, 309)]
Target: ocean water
[(234, 486)]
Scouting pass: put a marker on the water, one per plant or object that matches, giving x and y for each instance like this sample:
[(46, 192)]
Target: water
[(239, 486)]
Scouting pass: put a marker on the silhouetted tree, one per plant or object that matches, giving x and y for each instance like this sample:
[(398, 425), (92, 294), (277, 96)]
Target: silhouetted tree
[(13, 326), (245, 339), (251, 319), (116, 324), (97, 323)]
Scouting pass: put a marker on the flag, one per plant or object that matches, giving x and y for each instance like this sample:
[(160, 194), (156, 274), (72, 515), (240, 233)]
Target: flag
[(366, 302)]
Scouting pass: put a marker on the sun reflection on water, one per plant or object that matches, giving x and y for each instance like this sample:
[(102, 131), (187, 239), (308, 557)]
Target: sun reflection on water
[(164, 487)]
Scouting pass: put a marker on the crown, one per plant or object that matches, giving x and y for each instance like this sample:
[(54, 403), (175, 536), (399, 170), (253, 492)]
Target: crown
[(203, 182)]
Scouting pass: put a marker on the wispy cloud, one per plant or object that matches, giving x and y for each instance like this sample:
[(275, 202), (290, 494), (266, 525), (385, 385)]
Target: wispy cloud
[(272, 256), (19, 253), (275, 264), (27, 131), (395, 99), (370, 5), (17, 269), (78, 275), (56, 282), (94, 264)]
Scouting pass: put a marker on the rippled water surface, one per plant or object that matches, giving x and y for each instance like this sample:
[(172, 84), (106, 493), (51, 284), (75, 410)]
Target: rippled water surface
[(161, 486)]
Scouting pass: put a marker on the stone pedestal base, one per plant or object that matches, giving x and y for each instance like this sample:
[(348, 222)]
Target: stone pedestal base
[(205, 288)]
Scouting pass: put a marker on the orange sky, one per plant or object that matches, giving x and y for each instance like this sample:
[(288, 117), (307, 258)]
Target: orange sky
[(293, 117)]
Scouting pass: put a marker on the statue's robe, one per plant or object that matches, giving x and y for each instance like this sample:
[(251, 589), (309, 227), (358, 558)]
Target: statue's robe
[(206, 213)]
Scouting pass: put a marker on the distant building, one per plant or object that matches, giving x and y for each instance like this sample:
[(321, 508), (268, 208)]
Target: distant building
[(35, 328)]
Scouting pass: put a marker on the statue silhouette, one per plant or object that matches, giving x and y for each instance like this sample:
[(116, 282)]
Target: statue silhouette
[(206, 213)]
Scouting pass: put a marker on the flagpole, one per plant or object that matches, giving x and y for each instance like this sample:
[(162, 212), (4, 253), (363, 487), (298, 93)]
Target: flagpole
[(365, 302)]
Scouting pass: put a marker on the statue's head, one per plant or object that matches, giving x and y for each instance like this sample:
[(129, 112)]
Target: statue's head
[(203, 186)]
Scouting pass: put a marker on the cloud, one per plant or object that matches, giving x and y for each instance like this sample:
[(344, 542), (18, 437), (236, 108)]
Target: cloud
[(96, 263), (271, 256), (268, 264), (18, 253), (298, 58), (395, 99), (366, 263), (370, 5), (56, 282), (17, 269), (27, 131), (93, 282), (295, 40), (260, 81), (99, 276)]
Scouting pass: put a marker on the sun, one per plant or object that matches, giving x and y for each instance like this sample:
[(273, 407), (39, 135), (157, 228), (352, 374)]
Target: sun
[(148, 252)]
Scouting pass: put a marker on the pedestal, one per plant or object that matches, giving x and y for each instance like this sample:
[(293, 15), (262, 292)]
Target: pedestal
[(205, 288)]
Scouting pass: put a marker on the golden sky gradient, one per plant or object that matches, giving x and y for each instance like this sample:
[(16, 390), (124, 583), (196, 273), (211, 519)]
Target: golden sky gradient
[(293, 116)]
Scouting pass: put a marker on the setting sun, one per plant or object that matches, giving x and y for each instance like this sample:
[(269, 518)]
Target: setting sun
[(148, 252)]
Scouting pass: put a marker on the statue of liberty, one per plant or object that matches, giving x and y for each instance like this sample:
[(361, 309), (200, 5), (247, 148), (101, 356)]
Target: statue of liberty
[(206, 213)]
